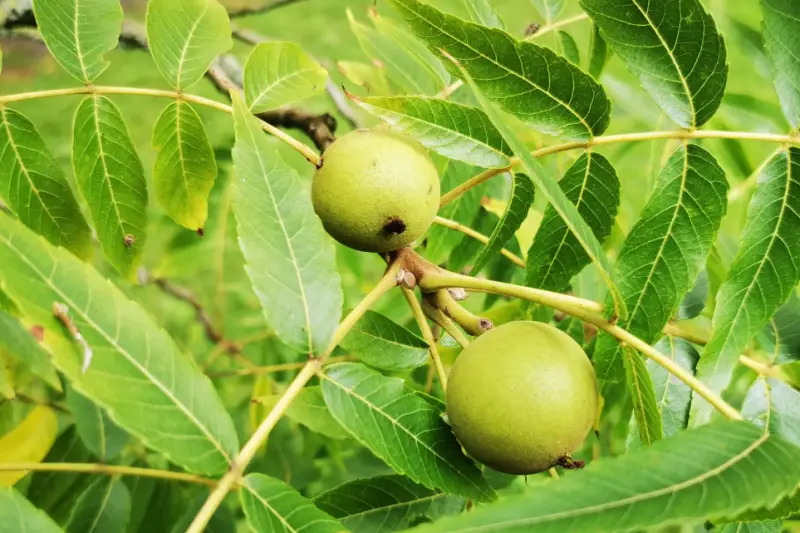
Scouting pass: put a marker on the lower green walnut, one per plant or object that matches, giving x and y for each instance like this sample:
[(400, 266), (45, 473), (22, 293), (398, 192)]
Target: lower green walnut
[(521, 397), (376, 191)]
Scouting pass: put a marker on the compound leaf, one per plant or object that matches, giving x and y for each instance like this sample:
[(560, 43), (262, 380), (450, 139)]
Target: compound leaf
[(79, 33), (34, 186), (111, 178), (272, 506), (290, 258), (135, 370), (761, 278), (401, 428), (674, 49), (691, 477), (185, 36), (278, 73), (527, 80), (555, 256), (185, 167), (454, 130)]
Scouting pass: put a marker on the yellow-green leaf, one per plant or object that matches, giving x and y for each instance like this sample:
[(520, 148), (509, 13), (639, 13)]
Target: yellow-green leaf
[(29, 442)]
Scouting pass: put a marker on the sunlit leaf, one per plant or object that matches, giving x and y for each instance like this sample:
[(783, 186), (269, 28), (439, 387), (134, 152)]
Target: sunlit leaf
[(403, 68), (555, 196), (29, 442), (185, 168), (402, 429), (79, 33), (20, 344), (185, 36), (774, 405), (309, 409), (664, 252), (692, 477), (111, 178), (556, 255), (762, 276), (515, 214), (104, 507), (136, 369), (290, 258), (673, 48), (569, 48), (279, 73), (97, 431), (481, 11), (527, 80), (643, 396), (781, 26), (34, 186), (454, 130), (381, 343), (385, 503), (20, 515), (549, 9), (272, 506)]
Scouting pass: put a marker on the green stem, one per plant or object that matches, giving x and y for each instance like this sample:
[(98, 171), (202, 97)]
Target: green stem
[(304, 150), (309, 370), (442, 279), (109, 470), (427, 334)]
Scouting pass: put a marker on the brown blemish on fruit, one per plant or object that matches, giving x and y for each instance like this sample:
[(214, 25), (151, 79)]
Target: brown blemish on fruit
[(395, 226)]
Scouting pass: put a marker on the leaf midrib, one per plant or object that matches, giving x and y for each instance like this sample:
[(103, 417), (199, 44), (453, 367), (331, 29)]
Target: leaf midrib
[(396, 423), (503, 67), (672, 58), (271, 509), (280, 81), (186, 46), (642, 496), (106, 174), (391, 507), (181, 407)]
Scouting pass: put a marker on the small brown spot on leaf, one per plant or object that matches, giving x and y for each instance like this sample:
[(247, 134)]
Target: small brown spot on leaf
[(38, 333), (130, 240)]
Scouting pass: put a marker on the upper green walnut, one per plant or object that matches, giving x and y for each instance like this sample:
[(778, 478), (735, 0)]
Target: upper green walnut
[(522, 396), (376, 191)]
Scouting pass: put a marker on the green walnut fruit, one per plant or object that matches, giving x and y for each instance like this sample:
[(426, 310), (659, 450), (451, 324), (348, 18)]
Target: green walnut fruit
[(521, 397), (376, 191)]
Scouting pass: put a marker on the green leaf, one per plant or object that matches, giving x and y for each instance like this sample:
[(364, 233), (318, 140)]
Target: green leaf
[(643, 396), (309, 409), (185, 167), (784, 509), (762, 276), (111, 178), (290, 258), (696, 475), (403, 68), (279, 73), (20, 344), (664, 252), (672, 394), (515, 214), (598, 53), (440, 240), (468, 248), (34, 187), (673, 48), (569, 48), (185, 36), (527, 80), (767, 526), (549, 9), (774, 405), (790, 372), (453, 130), (97, 431), (384, 504), (592, 186), (104, 507), (136, 369), (272, 506), (781, 25), (402, 429), (382, 343), (555, 196), (481, 11), (20, 515), (79, 33), (48, 489)]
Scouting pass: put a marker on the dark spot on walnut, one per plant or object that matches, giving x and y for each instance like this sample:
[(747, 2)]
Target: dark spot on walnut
[(395, 226)]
